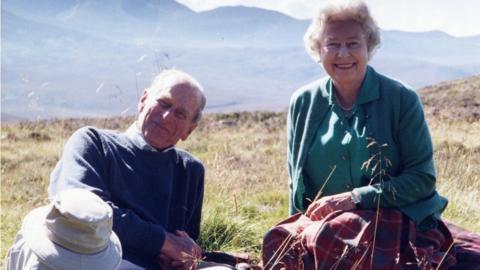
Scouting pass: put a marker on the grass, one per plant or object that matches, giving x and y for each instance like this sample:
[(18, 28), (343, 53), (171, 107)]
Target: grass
[(246, 178)]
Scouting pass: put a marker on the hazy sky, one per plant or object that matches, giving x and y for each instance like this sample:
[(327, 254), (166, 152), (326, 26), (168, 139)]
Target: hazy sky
[(456, 17)]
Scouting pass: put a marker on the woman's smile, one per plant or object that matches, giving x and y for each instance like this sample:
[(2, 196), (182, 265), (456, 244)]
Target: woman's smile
[(344, 66)]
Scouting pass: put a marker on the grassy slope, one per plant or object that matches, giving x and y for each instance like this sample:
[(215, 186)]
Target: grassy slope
[(453, 111), (244, 154)]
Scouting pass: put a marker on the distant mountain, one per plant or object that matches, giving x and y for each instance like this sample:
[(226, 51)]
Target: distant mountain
[(93, 58), (250, 27)]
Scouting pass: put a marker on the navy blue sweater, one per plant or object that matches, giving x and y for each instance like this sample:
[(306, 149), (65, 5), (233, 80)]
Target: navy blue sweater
[(151, 192)]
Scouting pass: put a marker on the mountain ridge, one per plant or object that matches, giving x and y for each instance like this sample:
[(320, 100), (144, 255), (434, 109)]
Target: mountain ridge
[(99, 58), (448, 100)]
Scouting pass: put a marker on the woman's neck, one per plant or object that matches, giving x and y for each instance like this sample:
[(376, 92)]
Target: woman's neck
[(346, 95)]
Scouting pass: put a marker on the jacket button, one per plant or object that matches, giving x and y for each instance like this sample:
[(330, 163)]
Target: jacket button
[(348, 186)]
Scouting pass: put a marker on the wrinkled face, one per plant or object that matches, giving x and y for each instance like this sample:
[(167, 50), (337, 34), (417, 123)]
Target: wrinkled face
[(344, 52), (167, 116)]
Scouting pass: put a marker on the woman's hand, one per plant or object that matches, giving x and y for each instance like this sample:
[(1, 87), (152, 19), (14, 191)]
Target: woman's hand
[(320, 208)]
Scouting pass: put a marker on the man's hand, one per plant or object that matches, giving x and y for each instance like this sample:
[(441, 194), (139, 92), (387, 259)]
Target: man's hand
[(319, 209), (179, 251)]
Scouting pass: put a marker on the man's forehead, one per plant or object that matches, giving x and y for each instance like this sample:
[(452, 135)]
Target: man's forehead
[(178, 89), (184, 96)]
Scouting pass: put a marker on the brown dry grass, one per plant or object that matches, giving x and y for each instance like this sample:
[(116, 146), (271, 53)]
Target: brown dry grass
[(245, 158)]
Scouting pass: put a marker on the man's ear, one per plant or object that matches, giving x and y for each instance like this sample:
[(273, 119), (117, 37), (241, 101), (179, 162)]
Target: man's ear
[(143, 99), (185, 136)]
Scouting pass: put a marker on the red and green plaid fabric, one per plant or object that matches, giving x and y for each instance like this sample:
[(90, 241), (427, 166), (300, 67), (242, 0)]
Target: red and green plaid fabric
[(347, 240), (467, 247)]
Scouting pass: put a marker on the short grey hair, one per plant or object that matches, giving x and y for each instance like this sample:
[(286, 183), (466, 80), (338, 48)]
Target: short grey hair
[(166, 79), (344, 11)]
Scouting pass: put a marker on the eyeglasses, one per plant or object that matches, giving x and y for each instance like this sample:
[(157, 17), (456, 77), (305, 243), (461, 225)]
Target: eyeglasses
[(336, 46)]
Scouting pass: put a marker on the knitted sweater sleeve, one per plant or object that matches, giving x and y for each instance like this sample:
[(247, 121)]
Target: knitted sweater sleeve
[(193, 224), (84, 165)]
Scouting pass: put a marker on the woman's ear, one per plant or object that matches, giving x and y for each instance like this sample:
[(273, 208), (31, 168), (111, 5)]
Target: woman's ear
[(143, 99)]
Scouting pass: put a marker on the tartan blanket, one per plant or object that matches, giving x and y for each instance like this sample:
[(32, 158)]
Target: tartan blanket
[(358, 239), (467, 247)]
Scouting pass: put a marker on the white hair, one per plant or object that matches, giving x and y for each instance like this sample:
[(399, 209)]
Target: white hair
[(355, 10)]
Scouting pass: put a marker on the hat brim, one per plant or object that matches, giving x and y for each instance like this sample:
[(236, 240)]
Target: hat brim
[(57, 257)]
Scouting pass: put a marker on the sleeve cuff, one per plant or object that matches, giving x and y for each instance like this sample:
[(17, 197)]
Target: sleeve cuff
[(155, 239), (355, 197), (366, 196)]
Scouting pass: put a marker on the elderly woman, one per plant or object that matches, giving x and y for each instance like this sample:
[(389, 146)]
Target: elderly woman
[(359, 161)]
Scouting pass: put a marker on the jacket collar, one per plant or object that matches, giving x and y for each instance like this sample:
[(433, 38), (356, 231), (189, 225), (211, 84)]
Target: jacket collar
[(370, 89)]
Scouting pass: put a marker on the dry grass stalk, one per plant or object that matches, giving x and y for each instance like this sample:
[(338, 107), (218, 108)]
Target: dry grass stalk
[(445, 255), (280, 252), (319, 193), (375, 231)]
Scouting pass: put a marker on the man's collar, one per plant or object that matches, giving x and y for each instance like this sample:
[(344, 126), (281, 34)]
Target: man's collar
[(134, 134)]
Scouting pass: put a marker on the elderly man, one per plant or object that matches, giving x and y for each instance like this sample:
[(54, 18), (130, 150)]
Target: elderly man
[(155, 189)]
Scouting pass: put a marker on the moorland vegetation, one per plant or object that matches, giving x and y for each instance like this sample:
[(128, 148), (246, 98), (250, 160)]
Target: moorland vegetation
[(245, 158)]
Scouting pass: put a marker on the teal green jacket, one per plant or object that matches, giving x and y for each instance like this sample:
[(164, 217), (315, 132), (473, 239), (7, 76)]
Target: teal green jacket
[(395, 118)]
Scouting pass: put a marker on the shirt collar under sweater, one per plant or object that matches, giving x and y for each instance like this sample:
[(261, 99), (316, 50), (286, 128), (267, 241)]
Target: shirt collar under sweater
[(134, 134)]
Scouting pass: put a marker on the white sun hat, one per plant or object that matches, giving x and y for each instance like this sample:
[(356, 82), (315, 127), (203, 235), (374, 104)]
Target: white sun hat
[(73, 232)]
